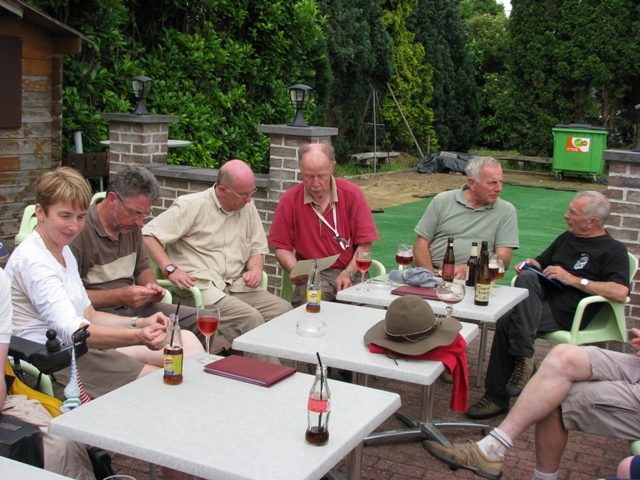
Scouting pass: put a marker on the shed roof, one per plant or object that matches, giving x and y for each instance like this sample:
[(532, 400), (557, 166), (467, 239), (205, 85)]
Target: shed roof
[(66, 39)]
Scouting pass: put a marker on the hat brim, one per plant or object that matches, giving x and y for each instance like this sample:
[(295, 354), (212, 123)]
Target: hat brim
[(445, 334)]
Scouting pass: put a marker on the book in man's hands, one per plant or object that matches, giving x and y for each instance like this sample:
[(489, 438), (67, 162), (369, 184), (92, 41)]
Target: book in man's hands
[(249, 370), (533, 268)]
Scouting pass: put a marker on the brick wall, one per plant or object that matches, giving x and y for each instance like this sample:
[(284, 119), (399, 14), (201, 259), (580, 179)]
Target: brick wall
[(623, 192)]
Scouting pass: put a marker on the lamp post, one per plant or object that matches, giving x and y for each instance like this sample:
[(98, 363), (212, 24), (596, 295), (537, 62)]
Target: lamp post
[(299, 98), (141, 86)]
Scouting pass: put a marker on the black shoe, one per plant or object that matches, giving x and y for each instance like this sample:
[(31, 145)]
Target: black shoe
[(485, 408), (522, 372)]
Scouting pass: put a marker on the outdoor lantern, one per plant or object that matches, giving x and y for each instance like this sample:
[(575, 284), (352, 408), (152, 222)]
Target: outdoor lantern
[(299, 98), (141, 86)]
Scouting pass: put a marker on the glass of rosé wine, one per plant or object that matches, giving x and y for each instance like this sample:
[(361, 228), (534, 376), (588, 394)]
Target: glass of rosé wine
[(208, 320)]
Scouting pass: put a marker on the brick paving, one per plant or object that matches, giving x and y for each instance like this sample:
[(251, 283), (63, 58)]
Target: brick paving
[(586, 456)]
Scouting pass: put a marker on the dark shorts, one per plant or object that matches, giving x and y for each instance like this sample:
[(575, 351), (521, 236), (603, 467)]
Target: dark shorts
[(100, 371), (609, 404)]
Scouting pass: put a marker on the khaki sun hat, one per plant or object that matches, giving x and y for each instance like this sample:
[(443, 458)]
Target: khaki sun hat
[(410, 328)]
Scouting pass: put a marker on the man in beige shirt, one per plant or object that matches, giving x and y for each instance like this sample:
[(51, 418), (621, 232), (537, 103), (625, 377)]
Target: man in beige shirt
[(215, 240)]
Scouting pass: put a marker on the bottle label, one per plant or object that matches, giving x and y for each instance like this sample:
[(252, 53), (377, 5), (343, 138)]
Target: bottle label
[(313, 297), (173, 364), (448, 270), (483, 292), (318, 406)]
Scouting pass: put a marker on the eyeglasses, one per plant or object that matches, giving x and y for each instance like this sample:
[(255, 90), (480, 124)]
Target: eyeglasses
[(244, 196), (135, 215)]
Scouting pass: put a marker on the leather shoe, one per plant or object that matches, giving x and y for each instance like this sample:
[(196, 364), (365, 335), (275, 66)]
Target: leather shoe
[(485, 408)]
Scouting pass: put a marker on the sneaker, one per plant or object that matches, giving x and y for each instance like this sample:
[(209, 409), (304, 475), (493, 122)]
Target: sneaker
[(522, 372), (485, 408), (466, 455)]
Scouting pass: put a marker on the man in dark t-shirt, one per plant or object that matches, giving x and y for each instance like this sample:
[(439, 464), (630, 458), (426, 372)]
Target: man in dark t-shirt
[(585, 260)]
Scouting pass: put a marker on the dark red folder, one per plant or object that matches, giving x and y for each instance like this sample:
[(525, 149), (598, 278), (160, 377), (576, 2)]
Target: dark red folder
[(428, 293), (249, 370)]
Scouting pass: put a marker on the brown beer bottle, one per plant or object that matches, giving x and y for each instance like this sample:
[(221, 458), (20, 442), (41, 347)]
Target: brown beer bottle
[(314, 289), (471, 265), (173, 353), (318, 409), (483, 281), (449, 262)]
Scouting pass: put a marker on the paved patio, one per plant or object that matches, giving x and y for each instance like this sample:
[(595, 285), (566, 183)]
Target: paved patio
[(586, 457)]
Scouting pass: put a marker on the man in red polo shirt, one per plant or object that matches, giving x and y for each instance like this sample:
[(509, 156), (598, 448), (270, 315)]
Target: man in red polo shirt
[(320, 217)]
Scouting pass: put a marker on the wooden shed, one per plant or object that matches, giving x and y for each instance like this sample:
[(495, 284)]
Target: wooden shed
[(32, 46)]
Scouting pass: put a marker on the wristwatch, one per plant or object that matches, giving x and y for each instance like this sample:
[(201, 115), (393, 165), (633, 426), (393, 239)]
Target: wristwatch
[(169, 269), (352, 275), (583, 284), (134, 321)]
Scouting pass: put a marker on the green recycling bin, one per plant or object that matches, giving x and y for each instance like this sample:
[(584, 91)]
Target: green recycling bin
[(578, 149)]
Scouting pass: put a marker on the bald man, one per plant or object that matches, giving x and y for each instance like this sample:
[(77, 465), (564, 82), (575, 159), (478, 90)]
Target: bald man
[(215, 240)]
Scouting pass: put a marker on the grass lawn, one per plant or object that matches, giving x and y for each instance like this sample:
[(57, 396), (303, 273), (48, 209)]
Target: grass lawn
[(540, 221)]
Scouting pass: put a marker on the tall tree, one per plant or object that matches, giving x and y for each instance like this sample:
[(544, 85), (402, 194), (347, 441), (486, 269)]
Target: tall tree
[(439, 27), (360, 54), (572, 61), (412, 83)]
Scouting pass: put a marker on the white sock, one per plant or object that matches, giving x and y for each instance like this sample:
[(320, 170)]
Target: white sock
[(544, 476), (495, 445)]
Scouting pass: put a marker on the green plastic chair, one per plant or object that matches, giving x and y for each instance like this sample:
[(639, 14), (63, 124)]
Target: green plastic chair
[(608, 324)]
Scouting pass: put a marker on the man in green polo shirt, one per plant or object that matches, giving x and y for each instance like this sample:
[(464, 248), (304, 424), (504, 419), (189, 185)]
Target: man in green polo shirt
[(474, 213)]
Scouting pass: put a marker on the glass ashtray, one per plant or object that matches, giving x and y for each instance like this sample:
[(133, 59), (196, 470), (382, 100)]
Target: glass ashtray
[(311, 328), (378, 284)]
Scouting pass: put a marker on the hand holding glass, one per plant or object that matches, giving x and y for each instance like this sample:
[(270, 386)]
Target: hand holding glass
[(363, 262), (208, 320), (404, 256), (450, 293)]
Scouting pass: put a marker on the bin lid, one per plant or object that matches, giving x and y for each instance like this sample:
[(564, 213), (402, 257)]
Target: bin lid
[(580, 126)]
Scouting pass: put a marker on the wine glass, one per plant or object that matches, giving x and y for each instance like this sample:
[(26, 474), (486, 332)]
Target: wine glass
[(363, 262), (450, 293), (404, 256), (496, 269), (208, 319)]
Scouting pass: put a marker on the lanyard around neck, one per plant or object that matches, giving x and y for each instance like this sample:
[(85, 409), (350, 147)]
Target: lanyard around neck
[(344, 244)]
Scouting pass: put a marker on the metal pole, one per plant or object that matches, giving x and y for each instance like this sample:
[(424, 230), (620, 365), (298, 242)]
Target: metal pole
[(405, 120)]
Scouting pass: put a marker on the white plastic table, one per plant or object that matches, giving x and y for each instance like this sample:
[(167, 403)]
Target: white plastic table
[(216, 427), (14, 470), (343, 347), (504, 300)]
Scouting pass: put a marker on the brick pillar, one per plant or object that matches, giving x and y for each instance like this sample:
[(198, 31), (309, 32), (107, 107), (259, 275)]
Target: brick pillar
[(283, 174), (137, 139), (623, 192)]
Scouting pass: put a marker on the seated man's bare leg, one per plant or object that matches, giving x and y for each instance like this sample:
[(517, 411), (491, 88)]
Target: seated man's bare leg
[(155, 358)]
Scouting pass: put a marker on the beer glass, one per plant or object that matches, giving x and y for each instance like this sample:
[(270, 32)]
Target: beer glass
[(450, 293)]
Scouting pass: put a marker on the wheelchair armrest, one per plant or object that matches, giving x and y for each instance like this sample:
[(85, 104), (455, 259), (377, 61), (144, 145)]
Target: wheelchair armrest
[(36, 354)]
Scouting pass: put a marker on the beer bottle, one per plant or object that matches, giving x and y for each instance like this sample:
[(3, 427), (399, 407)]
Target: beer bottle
[(314, 289), (318, 409), (483, 281), (173, 353), (449, 262), (471, 265)]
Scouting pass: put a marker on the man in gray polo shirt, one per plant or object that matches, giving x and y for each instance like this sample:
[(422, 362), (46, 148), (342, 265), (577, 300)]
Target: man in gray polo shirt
[(112, 257), (473, 213)]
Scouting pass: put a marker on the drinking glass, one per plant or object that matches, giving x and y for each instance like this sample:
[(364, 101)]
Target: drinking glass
[(496, 269), (363, 262), (450, 293), (208, 320), (404, 256)]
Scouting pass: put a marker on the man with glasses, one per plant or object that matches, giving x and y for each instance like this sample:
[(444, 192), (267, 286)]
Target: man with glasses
[(112, 257), (321, 217), (215, 240)]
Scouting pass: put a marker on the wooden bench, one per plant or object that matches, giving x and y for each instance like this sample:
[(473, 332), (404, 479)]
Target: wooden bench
[(365, 158)]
